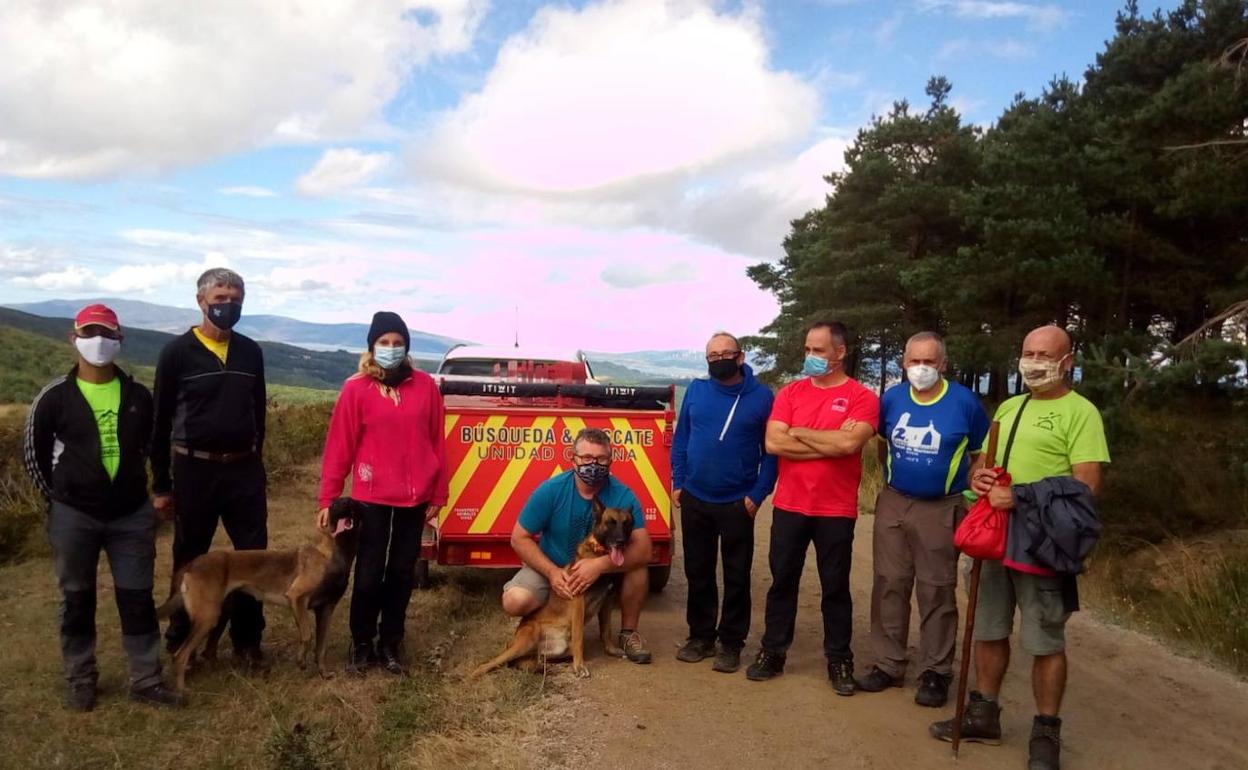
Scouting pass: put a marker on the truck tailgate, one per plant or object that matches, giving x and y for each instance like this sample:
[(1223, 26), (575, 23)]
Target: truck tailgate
[(499, 455)]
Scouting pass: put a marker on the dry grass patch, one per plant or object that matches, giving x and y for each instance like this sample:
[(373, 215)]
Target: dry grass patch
[(289, 719)]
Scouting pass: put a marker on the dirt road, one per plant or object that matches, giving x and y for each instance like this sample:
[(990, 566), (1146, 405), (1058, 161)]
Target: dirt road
[(1130, 702)]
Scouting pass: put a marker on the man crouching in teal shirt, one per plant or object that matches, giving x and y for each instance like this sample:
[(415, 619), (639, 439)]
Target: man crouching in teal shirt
[(561, 511)]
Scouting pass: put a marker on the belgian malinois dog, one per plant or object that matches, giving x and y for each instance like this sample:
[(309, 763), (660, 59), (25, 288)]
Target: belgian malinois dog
[(558, 628), (310, 580)]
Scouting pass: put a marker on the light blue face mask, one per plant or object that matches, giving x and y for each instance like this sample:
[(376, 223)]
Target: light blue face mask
[(388, 358), (815, 366)]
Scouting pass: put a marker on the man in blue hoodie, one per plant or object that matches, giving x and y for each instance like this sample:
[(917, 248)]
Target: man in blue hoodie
[(721, 474)]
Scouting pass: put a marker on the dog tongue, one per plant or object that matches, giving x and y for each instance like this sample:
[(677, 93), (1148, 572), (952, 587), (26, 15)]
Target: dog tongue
[(343, 525), (617, 557)]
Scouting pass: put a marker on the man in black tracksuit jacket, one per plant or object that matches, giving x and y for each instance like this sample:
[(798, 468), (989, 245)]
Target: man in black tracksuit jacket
[(85, 447), (209, 421)]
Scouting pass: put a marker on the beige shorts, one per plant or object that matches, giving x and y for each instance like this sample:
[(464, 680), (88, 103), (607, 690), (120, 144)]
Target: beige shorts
[(532, 581)]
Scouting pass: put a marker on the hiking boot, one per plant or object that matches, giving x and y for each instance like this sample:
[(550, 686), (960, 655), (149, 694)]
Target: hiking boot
[(389, 660), (634, 647), (1044, 750), (768, 665), (841, 674), (360, 658), (695, 650), (252, 660), (877, 680), (933, 689), (158, 695), (80, 697), (728, 660), (980, 724)]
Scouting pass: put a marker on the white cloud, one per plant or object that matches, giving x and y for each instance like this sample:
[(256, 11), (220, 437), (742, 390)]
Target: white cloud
[(952, 48), (630, 275), (887, 29), (1045, 17), (1011, 49), (340, 170), (617, 94), (248, 191), (140, 85), (72, 278), (18, 261)]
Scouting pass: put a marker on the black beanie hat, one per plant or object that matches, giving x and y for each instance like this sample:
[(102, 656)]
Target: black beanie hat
[(385, 322)]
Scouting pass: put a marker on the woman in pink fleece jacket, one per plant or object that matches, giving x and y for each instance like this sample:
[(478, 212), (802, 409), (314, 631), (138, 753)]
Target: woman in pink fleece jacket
[(386, 432)]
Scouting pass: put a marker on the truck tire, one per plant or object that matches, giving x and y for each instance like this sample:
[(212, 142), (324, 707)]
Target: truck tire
[(420, 575), (658, 578)]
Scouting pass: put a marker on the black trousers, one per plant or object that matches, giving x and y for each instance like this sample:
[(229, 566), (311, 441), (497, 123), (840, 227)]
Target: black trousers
[(204, 493), (833, 536), (706, 528), (389, 549)]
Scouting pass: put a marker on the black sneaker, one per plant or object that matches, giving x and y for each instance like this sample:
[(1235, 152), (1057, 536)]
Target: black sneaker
[(728, 660), (695, 650), (841, 674), (158, 695), (389, 660), (80, 697), (980, 724), (877, 680), (1045, 749), (768, 665), (360, 658), (933, 689)]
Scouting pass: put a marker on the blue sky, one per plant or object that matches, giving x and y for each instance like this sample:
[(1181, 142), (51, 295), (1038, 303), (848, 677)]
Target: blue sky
[(609, 168)]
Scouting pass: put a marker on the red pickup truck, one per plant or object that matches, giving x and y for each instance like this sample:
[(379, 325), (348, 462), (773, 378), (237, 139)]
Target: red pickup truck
[(509, 427)]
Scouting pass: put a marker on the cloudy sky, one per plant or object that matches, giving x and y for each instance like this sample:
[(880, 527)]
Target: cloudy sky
[(610, 168)]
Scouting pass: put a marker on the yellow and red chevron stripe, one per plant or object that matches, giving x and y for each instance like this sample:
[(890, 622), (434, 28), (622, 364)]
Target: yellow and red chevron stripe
[(497, 459)]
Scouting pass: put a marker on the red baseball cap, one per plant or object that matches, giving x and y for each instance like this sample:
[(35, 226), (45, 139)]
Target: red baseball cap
[(96, 315)]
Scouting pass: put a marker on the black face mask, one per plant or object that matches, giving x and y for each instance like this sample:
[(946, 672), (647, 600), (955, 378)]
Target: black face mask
[(723, 369), (224, 315)]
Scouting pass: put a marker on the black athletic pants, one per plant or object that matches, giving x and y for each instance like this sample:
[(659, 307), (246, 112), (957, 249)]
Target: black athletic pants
[(384, 565), (706, 527), (205, 492), (833, 536)]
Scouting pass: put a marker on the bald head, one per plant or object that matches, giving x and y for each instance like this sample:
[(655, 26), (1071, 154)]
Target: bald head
[(1051, 341)]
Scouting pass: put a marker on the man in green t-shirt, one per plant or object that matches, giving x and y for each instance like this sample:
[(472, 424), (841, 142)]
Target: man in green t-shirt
[(86, 449), (1059, 433)]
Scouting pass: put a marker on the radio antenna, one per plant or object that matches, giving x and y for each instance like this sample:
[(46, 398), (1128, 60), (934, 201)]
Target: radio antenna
[(517, 326)]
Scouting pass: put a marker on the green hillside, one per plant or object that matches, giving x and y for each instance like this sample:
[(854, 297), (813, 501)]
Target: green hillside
[(284, 364), (29, 360)]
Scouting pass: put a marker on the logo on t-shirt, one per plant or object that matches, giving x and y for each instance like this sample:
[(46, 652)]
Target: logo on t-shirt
[(1047, 421), (840, 404), (924, 440)]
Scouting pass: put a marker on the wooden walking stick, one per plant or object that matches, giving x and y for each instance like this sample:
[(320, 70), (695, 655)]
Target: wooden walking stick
[(990, 458)]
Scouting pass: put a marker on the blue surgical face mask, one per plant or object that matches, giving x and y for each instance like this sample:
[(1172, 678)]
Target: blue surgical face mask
[(388, 358), (815, 366)]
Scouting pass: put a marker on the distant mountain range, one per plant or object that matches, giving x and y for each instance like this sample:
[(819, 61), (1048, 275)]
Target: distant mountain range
[(274, 328), (283, 364), (677, 364), (636, 367)]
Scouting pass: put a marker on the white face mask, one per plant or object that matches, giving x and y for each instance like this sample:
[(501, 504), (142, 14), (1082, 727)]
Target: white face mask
[(1040, 376), (97, 351), (922, 376)]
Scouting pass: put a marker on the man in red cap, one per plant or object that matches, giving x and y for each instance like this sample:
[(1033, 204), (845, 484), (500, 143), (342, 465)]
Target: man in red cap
[(85, 447)]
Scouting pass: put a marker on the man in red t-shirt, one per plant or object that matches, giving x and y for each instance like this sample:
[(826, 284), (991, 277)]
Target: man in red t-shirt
[(818, 427)]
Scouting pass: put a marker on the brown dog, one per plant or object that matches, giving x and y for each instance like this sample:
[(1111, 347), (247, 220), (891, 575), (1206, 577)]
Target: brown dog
[(311, 579), (558, 628)]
